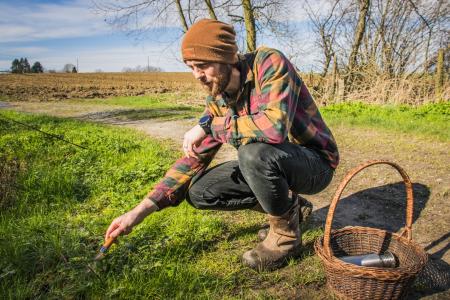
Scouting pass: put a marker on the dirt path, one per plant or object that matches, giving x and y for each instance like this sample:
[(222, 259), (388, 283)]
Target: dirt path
[(374, 198), (102, 113), (4, 105)]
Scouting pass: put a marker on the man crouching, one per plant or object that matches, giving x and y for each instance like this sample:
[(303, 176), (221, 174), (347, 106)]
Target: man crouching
[(259, 104)]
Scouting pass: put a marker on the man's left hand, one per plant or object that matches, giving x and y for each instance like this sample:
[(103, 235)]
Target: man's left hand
[(193, 138)]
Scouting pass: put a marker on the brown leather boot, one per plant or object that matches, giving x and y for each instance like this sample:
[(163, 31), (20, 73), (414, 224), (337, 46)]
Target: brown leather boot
[(283, 242), (305, 210)]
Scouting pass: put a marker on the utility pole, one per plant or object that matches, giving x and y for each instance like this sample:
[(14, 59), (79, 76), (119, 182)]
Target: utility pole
[(148, 63), (78, 70)]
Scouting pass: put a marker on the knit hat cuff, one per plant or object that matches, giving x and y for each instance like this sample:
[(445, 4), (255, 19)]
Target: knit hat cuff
[(209, 54)]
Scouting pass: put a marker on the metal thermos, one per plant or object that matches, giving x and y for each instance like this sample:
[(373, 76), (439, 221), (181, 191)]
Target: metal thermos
[(386, 260)]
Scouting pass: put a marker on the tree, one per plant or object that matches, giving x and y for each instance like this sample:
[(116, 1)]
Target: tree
[(68, 68), (26, 66), (326, 27), (257, 17), (20, 66), (142, 69), (74, 70), (388, 37), (15, 66), (37, 68)]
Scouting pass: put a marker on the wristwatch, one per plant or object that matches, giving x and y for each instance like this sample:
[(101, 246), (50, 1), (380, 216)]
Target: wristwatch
[(205, 123)]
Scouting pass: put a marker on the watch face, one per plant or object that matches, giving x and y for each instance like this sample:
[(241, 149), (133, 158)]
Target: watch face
[(204, 119)]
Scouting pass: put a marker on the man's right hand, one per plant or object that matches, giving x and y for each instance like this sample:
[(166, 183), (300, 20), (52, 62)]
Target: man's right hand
[(122, 225), (125, 223), (193, 138)]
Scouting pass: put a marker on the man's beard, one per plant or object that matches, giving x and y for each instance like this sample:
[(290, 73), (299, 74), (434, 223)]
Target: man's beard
[(218, 84)]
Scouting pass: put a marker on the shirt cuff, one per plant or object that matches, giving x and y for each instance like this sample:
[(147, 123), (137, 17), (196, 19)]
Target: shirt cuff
[(153, 201)]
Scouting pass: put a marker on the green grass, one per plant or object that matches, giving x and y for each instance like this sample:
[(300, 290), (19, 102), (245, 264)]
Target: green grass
[(176, 113), (64, 197), (57, 200), (431, 120), (164, 107), (54, 226), (163, 101)]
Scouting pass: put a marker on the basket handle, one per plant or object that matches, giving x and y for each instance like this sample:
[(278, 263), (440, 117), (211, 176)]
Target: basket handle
[(406, 232)]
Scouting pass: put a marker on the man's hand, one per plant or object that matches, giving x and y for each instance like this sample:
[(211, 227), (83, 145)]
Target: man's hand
[(122, 225), (193, 137), (125, 223)]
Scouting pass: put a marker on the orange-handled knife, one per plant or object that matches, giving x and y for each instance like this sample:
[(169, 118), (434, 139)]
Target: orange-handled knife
[(104, 248)]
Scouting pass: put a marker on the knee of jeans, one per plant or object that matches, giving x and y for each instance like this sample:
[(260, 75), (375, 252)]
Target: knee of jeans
[(199, 198), (251, 155), (193, 198)]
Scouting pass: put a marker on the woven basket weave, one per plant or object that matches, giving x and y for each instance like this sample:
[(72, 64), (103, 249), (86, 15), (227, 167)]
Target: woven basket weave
[(349, 281)]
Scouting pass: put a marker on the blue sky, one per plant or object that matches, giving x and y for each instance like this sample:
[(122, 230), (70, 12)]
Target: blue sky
[(58, 32)]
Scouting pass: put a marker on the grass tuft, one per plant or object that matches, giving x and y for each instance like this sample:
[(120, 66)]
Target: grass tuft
[(430, 120), (66, 197)]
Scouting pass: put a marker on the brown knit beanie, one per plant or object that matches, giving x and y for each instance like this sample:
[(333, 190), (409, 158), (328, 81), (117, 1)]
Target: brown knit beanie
[(210, 40)]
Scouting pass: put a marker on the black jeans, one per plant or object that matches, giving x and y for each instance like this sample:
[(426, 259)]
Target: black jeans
[(264, 173)]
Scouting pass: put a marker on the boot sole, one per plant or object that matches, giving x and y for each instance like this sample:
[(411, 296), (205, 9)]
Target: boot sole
[(277, 264)]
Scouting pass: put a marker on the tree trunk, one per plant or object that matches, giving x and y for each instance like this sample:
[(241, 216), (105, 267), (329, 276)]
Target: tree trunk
[(250, 28), (181, 14), (335, 77), (439, 74), (386, 62), (327, 52), (326, 66), (359, 32), (212, 14), (427, 51)]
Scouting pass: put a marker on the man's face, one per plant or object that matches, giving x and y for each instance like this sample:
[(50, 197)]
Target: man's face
[(214, 77)]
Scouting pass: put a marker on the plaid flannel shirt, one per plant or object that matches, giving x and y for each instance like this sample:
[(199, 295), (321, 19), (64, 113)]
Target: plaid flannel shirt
[(273, 104)]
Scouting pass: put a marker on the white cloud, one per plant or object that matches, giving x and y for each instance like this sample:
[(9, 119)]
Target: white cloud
[(24, 50), (48, 21), (14, 32)]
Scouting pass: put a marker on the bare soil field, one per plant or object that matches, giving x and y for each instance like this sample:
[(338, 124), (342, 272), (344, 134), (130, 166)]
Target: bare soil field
[(60, 86)]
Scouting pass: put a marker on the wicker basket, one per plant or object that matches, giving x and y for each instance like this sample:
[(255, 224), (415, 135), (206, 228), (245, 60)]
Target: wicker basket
[(350, 281)]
